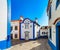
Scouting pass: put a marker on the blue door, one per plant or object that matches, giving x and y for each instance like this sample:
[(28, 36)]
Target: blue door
[(58, 36)]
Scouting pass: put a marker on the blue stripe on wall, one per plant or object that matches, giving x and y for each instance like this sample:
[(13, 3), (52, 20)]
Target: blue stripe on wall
[(57, 36), (33, 31), (8, 23), (6, 43), (51, 45), (3, 44), (20, 32)]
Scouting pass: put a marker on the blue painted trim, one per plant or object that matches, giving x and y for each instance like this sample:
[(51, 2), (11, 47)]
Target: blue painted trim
[(57, 39), (57, 3), (6, 43), (31, 21), (51, 45), (3, 44), (57, 36), (20, 31), (33, 31), (50, 13), (25, 19)]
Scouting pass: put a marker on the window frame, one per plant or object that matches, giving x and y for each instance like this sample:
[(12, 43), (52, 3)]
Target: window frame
[(57, 3), (16, 36), (50, 13), (16, 27), (50, 30), (26, 25)]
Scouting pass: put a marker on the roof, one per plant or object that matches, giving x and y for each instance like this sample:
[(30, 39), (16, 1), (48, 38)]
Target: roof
[(36, 23), (31, 21), (44, 27), (16, 20)]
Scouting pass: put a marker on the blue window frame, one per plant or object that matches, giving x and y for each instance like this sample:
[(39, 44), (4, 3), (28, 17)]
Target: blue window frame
[(57, 3), (50, 33), (50, 13)]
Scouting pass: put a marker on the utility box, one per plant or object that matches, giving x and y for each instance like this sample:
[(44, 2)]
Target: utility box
[(5, 17)]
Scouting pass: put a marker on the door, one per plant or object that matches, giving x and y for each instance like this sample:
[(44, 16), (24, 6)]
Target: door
[(59, 35), (26, 35)]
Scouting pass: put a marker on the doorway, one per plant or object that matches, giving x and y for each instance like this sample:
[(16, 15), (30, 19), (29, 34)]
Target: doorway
[(58, 36), (26, 35)]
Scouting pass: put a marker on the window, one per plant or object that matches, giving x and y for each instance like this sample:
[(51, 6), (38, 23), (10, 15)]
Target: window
[(50, 33), (11, 28), (50, 13), (42, 32), (15, 35), (16, 27), (26, 25), (57, 3)]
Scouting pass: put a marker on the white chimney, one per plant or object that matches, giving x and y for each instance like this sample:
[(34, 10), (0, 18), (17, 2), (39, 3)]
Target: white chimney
[(21, 18)]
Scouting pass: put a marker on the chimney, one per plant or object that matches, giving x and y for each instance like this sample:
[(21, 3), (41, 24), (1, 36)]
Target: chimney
[(36, 20), (21, 18)]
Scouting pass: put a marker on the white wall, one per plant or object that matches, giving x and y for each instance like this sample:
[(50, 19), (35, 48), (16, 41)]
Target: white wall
[(43, 30), (37, 28), (13, 24), (3, 20), (55, 15), (23, 30)]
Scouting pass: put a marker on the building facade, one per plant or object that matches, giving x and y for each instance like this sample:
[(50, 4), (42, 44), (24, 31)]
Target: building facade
[(44, 31), (29, 29), (15, 33), (53, 11), (15, 28), (5, 24)]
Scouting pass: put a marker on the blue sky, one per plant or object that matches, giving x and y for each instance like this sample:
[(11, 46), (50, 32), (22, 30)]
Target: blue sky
[(30, 9)]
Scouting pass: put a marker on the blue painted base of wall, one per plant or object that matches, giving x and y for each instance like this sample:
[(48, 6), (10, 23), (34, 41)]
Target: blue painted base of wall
[(51, 45), (4, 44)]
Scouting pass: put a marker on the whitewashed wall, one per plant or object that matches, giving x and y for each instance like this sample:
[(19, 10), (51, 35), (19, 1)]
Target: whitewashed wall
[(23, 30), (55, 15), (36, 30), (13, 24), (3, 20), (43, 30)]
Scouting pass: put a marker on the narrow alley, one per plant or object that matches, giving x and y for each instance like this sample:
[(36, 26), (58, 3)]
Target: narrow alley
[(40, 44)]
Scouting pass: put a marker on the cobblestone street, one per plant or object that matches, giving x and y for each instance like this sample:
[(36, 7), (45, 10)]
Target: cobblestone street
[(40, 44)]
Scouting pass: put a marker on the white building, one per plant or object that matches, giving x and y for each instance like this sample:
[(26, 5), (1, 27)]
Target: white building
[(15, 28), (29, 29), (53, 11), (15, 33), (44, 31), (5, 24)]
